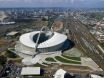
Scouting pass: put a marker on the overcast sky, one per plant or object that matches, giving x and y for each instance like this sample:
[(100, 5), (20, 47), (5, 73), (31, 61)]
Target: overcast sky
[(53, 3)]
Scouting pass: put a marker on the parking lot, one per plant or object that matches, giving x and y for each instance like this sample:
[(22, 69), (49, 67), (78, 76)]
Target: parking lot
[(11, 71), (15, 71)]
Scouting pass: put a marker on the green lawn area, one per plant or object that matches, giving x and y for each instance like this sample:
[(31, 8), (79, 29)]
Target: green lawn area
[(50, 59), (1, 37), (0, 67), (12, 46), (38, 65), (11, 54), (17, 61), (75, 67), (66, 61), (72, 58)]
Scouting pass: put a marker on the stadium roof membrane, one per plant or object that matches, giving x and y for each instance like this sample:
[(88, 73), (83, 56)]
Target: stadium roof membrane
[(27, 40)]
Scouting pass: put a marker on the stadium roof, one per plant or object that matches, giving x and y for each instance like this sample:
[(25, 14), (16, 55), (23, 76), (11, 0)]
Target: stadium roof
[(30, 71), (56, 39), (60, 73)]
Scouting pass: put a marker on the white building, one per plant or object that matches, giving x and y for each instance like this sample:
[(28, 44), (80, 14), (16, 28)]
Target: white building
[(30, 44), (95, 76), (30, 71), (62, 74), (59, 73)]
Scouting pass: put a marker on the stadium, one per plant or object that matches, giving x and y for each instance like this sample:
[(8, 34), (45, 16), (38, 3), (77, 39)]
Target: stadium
[(40, 42)]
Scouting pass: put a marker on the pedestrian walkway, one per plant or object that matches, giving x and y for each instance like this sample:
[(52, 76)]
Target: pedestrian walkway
[(90, 63), (73, 52)]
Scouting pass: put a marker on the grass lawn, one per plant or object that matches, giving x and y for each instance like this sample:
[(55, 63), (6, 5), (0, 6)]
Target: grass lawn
[(41, 23), (75, 67), (17, 61), (38, 65), (0, 67), (72, 58), (12, 46), (50, 59), (66, 61), (1, 37), (11, 54)]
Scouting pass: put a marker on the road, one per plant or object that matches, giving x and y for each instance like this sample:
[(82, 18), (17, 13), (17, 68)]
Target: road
[(84, 41), (79, 71), (6, 46), (1, 73)]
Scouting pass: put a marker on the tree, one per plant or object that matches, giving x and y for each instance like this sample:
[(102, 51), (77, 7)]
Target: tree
[(10, 54), (10, 61), (3, 60), (44, 19)]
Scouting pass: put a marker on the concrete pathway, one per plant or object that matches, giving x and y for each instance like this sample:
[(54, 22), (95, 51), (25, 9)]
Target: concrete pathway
[(90, 63), (40, 58)]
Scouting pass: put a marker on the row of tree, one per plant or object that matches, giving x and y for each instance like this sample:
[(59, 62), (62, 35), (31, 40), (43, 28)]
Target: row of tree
[(3, 60)]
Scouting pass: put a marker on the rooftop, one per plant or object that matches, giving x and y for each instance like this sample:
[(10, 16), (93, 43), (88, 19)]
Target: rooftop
[(95, 76), (60, 73), (30, 71), (12, 33)]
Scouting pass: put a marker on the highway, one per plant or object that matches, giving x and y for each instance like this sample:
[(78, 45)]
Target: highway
[(84, 41)]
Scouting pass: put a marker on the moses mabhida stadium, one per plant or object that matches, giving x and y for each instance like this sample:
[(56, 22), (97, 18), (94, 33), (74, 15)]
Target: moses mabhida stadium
[(43, 41)]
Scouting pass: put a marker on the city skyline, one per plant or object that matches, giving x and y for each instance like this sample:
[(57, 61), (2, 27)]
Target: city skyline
[(52, 3)]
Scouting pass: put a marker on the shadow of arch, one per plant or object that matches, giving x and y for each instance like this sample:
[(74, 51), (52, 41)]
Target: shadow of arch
[(71, 45)]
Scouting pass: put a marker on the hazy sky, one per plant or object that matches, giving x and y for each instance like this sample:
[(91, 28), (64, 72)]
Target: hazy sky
[(52, 3)]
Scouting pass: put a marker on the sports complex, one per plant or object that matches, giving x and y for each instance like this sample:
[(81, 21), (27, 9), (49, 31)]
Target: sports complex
[(44, 42), (46, 46), (40, 41)]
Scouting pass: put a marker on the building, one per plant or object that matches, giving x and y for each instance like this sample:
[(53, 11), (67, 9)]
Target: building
[(12, 34), (30, 71), (40, 42), (101, 25), (95, 76), (59, 73), (62, 74), (47, 42), (46, 17), (61, 16)]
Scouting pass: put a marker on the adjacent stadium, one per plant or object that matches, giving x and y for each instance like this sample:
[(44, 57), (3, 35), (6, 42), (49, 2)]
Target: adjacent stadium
[(42, 41)]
